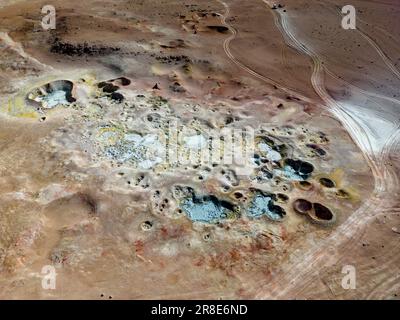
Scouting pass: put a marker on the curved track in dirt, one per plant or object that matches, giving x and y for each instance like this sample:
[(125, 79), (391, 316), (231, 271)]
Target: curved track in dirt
[(293, 279), (377, 48), (241, 65), (386, 180)]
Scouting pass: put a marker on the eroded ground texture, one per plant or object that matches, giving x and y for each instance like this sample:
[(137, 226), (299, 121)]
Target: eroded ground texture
[(199, 149)]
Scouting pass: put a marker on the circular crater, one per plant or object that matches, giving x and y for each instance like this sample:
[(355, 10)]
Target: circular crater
[(342, 194), (327, 183), (302, 206), (304, 185), (322, 214)]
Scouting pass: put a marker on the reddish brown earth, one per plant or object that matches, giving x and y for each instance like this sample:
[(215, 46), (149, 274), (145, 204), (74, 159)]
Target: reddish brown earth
[(116, 229)]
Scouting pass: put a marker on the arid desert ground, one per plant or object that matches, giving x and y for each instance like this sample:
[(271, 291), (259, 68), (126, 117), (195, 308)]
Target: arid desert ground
[(179, 149)]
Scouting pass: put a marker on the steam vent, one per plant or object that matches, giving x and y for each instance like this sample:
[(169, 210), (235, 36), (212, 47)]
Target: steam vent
[(199, 150)]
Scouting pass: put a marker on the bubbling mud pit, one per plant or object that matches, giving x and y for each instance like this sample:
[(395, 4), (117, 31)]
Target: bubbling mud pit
[(52, 94), (228, 189), (149, 137)]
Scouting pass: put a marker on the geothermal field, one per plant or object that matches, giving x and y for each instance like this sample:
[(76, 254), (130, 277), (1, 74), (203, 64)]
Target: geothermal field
[(180, 149)]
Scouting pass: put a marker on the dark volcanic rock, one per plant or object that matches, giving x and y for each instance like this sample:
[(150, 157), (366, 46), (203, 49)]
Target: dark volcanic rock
[(117, 97), (80, 49)]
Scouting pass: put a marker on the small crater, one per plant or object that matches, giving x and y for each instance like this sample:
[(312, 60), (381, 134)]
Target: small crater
[(343, 194), (317, 150), (282, 198), (302, 206), (238, 195), (116, 96), (300, 168), (109, 88), (146, 226), (304, 185), (206, 237), (328, 183), (322, 212), (123, 81)]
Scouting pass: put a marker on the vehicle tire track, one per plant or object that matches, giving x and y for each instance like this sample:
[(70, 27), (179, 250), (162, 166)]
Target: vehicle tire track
[(242, 66), (377, 48), (294, 280)]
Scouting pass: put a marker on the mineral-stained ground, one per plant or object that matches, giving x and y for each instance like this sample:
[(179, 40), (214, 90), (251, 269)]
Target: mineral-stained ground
[(199, 149)]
